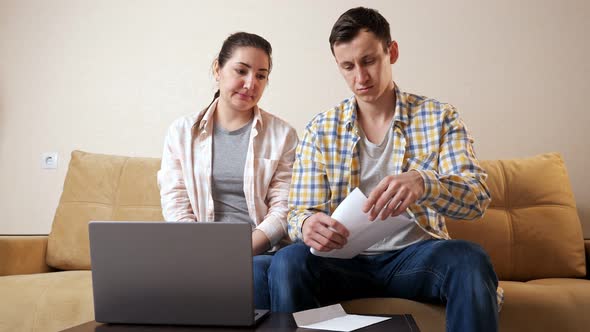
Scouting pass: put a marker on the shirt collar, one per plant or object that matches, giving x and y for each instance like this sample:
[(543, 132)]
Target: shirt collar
[(401, 109), (207, 118)]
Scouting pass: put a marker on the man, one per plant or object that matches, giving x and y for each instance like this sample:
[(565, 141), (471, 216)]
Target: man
[(412, 156)]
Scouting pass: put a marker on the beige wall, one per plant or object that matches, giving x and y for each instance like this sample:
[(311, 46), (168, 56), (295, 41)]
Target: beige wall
[(109, 76)]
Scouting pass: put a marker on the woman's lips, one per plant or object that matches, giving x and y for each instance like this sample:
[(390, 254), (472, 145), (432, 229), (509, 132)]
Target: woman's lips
[(244, 96)]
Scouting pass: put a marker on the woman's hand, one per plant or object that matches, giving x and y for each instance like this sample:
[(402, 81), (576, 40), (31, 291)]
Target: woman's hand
[(260, 243)]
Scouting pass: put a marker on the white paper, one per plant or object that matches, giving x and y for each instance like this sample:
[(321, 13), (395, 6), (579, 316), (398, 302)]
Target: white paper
[(334, 318), (363, 233), (346, 323)]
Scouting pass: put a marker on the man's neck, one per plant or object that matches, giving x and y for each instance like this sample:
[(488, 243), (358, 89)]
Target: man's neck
[(379, 110), (375, 117)]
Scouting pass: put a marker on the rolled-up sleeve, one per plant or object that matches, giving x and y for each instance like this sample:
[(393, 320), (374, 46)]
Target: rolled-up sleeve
[(274, 225), (174, 198), (457, 189)]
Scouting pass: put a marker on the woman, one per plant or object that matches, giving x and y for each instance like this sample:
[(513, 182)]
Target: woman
[(232, 161)]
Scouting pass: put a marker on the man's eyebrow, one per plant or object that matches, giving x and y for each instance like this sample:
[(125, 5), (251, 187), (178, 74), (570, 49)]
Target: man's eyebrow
[(247, 65)]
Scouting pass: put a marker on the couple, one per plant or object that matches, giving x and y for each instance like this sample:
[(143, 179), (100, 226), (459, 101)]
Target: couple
[(411, 155)]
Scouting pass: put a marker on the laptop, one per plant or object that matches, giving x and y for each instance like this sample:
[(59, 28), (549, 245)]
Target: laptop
[(181, 273)]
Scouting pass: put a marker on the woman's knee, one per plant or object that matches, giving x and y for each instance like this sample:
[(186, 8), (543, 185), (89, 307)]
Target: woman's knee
[(260, 265), (290, 259)]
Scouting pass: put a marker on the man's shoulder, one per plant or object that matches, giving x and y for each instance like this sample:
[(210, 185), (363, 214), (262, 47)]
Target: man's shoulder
[(338, 114), (419, 106)]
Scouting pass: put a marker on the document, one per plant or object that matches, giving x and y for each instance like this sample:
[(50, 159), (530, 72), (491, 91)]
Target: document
[(334, 318), (363, 233)]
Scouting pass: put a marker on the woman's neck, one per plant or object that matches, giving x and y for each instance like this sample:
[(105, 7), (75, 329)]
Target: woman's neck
[(231, 119)]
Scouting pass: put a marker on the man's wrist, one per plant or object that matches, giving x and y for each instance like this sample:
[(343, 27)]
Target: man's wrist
[(302, 222), (431, 186)]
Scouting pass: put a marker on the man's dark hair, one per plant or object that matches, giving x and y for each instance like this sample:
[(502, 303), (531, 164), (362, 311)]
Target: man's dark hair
[(354, 20)]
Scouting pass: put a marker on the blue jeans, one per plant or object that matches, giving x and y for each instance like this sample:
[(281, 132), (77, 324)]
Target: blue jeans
[(453, 272), (260, 265)]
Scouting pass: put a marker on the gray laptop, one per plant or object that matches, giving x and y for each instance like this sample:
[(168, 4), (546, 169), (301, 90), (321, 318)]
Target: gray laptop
[(173, 273)]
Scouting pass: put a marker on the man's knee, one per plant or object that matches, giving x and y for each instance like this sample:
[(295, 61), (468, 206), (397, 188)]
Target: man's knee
[(468, 256)]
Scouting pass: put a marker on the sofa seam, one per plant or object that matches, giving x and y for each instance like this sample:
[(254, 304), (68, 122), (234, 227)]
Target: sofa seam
[(118, 191), (520, 207), (107, 204), (507, 209)]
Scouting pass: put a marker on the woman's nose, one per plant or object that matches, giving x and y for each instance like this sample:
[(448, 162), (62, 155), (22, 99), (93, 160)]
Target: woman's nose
[(249, 82)]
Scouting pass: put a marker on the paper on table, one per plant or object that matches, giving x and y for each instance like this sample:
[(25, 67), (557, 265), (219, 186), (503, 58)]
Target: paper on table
[(334, 318), (363, 233)]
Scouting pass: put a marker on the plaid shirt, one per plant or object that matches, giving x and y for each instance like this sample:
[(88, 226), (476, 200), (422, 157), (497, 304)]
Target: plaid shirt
[(428, 137)]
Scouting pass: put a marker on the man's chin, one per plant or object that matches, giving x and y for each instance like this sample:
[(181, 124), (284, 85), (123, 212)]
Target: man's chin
[(366, 98)]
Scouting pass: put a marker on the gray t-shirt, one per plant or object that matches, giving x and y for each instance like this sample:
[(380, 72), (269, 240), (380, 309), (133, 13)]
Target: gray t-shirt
[(227, 178), (375, 163)]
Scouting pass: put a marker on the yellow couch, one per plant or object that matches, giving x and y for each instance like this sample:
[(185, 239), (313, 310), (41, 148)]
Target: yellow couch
[(531, 231)]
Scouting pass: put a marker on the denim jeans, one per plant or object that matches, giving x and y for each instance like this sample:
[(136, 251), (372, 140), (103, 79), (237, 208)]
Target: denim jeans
[(452, 272), (260, 265)]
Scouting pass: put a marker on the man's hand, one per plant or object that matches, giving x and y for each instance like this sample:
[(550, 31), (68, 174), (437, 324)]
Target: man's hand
[(394, 194), (324, 233)]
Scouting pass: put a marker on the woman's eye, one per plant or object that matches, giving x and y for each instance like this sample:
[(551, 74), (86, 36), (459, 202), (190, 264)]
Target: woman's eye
[(241, 71), (261, 77)]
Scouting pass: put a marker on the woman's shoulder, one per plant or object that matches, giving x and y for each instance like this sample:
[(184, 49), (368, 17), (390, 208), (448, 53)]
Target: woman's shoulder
[(274, 121), (184, 122)]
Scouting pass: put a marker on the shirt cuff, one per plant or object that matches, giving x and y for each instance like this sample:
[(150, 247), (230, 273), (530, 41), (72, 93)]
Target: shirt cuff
[(273, 228), (431, 186)]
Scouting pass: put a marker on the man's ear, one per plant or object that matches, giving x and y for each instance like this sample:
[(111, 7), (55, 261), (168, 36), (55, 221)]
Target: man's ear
[(393, 52)]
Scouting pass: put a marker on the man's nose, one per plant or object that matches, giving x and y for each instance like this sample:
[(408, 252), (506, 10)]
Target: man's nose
[(362, 75)]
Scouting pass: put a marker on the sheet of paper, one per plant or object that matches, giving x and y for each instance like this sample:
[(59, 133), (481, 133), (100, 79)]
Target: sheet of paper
[(334, 318), (346, 323), (363, 233)]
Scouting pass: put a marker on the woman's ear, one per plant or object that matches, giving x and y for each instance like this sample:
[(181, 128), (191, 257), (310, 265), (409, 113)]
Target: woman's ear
[(216, 69)]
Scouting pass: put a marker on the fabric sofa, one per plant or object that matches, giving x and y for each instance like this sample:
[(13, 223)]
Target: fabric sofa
[(531, 231)]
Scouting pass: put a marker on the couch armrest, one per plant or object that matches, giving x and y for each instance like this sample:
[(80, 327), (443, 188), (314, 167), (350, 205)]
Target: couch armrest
[(587, 245), (23, 254)]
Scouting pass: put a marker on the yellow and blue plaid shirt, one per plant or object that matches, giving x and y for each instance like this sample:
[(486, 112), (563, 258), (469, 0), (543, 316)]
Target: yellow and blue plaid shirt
[(429, 137)]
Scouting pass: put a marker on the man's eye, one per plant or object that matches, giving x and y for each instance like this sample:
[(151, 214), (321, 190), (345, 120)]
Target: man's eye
[(369, 61), (347, 67)]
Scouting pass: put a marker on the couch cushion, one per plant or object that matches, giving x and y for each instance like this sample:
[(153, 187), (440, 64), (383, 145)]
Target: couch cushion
[(538, 305), (46, 301), (531, 229), (100, 187), (546, 305)]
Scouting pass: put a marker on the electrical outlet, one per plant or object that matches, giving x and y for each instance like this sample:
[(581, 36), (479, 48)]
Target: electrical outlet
[(49, 160)]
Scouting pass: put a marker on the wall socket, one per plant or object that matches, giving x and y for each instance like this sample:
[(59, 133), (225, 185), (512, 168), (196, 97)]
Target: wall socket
[(49, 160)]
